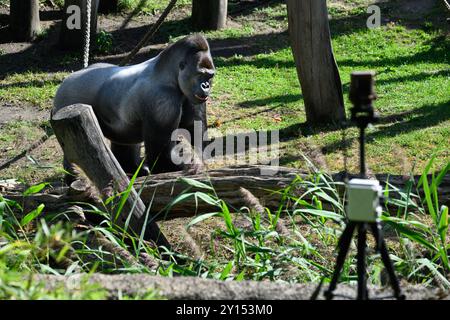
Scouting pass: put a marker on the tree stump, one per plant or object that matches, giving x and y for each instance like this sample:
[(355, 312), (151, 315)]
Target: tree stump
[(79, 134), (24, 19), (73, 25), (316, 66), (209, 14)]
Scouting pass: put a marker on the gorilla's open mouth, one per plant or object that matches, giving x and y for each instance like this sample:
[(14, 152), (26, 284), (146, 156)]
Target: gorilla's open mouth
[(201, 98)]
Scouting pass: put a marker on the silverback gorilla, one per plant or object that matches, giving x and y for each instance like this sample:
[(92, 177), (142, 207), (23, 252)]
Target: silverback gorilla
[(145, 102)]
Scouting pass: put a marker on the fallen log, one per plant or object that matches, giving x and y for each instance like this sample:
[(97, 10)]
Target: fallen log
[(161, 189), (79, 134), (228, 181), (191, 288)]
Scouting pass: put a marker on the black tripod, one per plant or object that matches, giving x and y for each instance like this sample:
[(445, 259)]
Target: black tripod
[(362, 94)]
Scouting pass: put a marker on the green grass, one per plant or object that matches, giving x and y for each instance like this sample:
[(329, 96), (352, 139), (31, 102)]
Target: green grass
[(31, 88), (149, 6), (412, 65)]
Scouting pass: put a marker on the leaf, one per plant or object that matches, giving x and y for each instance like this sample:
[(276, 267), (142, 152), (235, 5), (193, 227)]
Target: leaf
[(443, 223), (442, 174), (431, 266), (196, 184), (329, 199), (35, 189), (321, 213), (180, 198), (426, 170), (126, 194), (444, 257), (240, 276), (427, 192), (226, 270), (201, 218), (207, 198), (32, 215), (227, 217), (411, 234)]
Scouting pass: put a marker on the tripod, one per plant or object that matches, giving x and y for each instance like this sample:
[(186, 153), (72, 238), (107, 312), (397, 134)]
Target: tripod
[(344, 244), (362, 94)]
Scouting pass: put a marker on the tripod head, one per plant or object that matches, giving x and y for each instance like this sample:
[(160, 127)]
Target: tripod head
[(362, 94)]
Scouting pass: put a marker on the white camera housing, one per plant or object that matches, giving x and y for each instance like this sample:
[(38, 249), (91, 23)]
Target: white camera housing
[(363, 200)]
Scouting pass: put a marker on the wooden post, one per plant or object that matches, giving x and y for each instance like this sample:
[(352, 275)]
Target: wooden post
[(24, 19), (73, 25), (108, 6), (316, 66), (209, 14), (81, 139)]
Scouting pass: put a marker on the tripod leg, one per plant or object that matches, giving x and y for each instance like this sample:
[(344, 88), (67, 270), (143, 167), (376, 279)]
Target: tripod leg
[(361, 264), (343, 245), (381, 246)]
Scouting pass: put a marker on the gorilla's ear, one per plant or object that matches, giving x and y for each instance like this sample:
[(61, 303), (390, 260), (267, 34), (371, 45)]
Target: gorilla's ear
[(182, 65)]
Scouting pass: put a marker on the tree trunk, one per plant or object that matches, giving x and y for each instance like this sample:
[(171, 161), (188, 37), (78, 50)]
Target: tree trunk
[(316, 67), (81, 139), (209, 14), (73, 26), (108, 6), (24, 19)]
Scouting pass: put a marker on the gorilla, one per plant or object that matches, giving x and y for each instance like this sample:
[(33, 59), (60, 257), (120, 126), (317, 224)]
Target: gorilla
[(145, 102)]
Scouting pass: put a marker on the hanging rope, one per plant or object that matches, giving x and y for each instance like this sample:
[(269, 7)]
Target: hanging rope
[(447, 4), (87, 34)]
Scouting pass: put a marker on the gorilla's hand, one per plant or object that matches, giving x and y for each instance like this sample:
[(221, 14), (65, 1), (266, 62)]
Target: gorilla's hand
[(194, 168)]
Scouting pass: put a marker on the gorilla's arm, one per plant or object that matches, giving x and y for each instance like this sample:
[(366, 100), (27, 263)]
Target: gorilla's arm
[(193, 113)]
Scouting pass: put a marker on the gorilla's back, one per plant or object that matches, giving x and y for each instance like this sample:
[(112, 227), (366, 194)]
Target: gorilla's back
[(82, 86)]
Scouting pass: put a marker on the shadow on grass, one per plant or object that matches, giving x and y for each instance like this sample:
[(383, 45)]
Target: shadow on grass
[(426, 116), (45, 56), (31, 83), (238, 8), (273, 102), (279, 100), (438, 52), (420, 118)]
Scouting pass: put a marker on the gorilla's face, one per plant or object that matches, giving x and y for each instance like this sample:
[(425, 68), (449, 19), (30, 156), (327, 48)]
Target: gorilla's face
[(195, 77)]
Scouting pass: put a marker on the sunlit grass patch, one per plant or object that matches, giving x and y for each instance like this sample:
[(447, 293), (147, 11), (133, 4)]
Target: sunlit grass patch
[(35, 88)]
